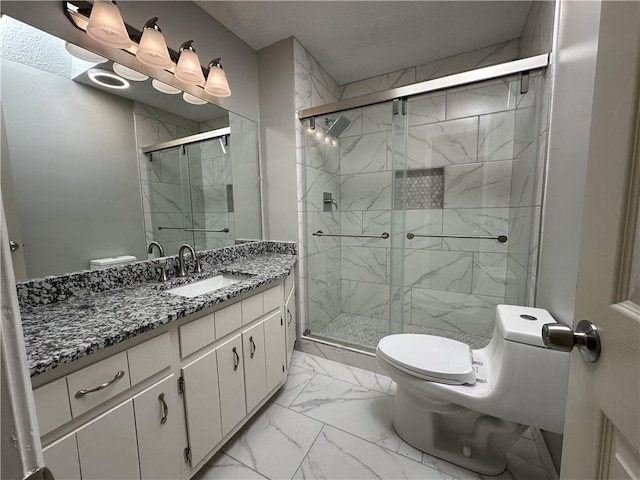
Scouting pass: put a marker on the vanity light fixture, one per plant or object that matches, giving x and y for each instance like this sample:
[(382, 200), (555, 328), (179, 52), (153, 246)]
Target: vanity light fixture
[(188, 69), (83, 53), (217, 80), (192, 99), (164, 88), (129, 73), (107, 79), (153, 50), (102, 22), (106, 25)]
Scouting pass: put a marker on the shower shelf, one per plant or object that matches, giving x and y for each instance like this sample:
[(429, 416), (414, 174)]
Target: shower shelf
[(499, 238), (320, 233)]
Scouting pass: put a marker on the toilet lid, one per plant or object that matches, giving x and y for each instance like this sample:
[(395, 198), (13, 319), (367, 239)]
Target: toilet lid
[(437, 359)]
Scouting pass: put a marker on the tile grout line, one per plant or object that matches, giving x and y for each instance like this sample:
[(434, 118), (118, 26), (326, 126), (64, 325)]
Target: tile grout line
[(310, 447)]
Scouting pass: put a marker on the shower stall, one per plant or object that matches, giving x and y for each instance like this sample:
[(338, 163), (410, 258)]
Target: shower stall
[(423, 206)]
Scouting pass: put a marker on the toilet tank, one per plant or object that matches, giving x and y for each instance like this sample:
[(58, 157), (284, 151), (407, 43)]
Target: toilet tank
[(530, 379)]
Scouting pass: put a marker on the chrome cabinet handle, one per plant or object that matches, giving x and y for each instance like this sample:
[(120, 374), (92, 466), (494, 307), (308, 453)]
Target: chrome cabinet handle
[(81, 393), (253, 347), (165, 409), (562, 337), (236, 360), (290, 317)]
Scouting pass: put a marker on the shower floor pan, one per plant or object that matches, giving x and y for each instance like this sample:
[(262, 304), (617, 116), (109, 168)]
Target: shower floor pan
[(367, 331)]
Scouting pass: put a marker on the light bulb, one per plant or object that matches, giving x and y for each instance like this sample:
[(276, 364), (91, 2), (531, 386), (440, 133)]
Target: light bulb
[(106, 25), (217, 80)]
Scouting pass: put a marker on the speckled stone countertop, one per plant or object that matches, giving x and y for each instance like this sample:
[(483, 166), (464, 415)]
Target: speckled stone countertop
[(89, 320)]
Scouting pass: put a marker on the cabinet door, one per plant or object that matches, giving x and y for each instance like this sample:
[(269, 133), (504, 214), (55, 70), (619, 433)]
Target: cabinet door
[(202, 404), (61, 458), (274, 335), (161, 439), (290, 315), (231, 377), (108, 447), (255, 376)]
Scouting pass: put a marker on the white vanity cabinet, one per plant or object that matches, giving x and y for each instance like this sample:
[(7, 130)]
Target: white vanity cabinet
[(202, 405), (231, 377), (161, 434), (253, 349), (162, 407), (107, 446), (61, 457)]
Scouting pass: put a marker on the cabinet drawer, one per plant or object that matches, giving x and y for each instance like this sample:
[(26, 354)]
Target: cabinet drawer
[(197, 334), (273, 298), (103, 377), (252, 308), (149, 357), (52, 405), (228, 319)]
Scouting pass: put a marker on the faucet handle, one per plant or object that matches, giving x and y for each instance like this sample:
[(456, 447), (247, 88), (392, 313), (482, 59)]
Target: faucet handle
[(198, 267), (163, 272)]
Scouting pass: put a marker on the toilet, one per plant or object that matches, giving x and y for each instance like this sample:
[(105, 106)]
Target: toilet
[(469, 406)]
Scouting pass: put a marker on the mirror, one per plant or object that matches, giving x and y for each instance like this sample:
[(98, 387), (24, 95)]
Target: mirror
[(87, 172)]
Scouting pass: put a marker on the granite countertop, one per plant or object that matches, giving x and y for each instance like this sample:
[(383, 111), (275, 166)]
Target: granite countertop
[(67, 330)]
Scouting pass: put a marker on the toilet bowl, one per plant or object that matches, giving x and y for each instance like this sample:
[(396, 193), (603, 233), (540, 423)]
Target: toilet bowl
[(469, 406)]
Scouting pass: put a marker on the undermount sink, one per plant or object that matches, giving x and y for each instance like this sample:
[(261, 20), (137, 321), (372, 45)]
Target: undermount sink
[(208, 285)]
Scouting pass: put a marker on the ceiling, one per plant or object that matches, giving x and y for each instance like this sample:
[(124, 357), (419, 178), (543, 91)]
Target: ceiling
[(354, 40)]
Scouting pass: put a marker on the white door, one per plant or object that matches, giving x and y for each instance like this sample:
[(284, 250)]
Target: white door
[(108, 447), (602, 428), (231, 376), (202, 405), (290, 315), (274, 336), (255, 376), (161, 440)]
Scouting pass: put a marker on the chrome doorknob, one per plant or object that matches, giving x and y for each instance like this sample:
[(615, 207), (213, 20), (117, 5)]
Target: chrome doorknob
[(559, 336)]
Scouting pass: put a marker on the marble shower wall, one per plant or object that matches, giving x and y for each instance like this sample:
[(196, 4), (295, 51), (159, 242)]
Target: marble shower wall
[(165, 197), (317, 172)]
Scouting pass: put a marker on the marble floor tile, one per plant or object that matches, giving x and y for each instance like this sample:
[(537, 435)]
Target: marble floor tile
[(223, 467), (297, 379), (336, 454), (274, 442), (353, 375), (360, 411), (451, 469)]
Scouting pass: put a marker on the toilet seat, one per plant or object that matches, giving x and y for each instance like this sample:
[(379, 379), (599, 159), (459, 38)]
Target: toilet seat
[(432, 358)]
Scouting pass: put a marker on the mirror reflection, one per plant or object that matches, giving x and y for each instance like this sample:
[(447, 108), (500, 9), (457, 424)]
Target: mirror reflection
[(92, 172)]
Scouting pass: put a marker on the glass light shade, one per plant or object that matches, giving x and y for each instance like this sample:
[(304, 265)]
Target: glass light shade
[(217, 82), (129, 73), (164, 88), (106, 25), (152, 50), (189, 69), (192, 99)]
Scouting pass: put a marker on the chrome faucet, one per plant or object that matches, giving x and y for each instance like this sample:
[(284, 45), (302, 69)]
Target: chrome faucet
[(182, 271), (158, 246)]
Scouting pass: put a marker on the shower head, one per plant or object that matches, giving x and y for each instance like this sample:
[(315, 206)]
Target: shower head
[(338, 126)]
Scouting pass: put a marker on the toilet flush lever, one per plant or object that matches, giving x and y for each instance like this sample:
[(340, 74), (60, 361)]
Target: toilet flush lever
[(559, 336)]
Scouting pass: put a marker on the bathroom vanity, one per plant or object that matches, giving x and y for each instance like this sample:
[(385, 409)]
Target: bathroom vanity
[(138, 382)]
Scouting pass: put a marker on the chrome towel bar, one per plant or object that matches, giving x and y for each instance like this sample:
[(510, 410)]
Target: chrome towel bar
[(499, 238), (224, 230), (320, 233)]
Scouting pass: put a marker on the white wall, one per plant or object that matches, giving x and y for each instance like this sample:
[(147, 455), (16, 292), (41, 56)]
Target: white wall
[(180, 21), (277, 140), (573, 74)]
